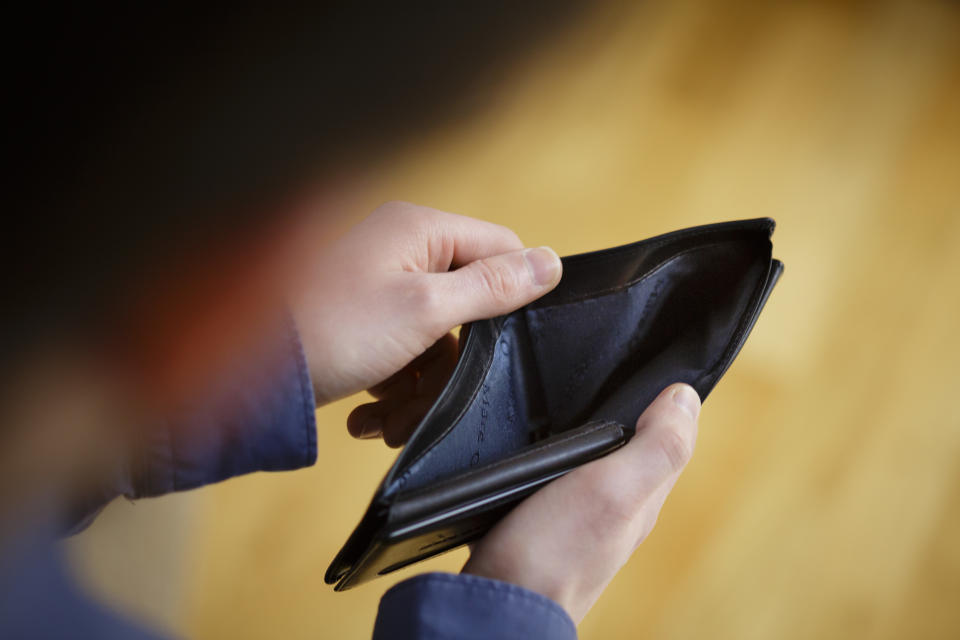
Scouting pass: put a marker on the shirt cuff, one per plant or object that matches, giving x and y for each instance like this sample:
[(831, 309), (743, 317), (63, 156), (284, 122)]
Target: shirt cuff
[(269, 425), (442, 605)]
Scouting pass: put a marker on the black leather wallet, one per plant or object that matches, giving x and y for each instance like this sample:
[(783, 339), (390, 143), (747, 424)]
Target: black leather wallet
[(560, 382)]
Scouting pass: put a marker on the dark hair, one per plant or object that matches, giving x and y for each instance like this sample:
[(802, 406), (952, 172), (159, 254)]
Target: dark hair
[(144, 129)]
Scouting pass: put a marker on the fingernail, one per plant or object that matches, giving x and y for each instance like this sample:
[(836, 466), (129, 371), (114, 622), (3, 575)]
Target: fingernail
[(544, 265), (371, 428), (686, 397)]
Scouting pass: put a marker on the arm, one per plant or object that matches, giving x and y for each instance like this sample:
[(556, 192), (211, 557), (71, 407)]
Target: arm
[(378, 307), (264, 425), (427, 271), (41, 601)]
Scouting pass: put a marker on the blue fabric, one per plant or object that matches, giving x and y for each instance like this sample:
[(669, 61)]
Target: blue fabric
[(438, 606), (269, 428), (39, 601)]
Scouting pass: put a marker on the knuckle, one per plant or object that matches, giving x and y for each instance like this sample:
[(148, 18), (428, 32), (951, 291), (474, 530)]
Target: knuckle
[(676, 446), (392, 439), (500, 282), (647, 521), (430, 306), (441, 245), (401, 211), (425, 299), (614, 506)]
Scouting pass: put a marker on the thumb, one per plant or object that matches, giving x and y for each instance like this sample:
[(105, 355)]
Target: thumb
[(645, 470), (587, 523), (496, 285)]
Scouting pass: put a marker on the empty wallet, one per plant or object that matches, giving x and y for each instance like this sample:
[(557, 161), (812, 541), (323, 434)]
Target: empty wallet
[(560, 382)]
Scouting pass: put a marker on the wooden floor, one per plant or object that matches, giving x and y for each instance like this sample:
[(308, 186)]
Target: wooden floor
[(824, 497)]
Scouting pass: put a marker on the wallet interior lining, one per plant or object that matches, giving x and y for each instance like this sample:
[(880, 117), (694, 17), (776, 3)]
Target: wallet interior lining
[(604, 357)]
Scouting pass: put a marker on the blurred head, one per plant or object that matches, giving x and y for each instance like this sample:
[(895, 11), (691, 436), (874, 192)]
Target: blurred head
[(172, 164)]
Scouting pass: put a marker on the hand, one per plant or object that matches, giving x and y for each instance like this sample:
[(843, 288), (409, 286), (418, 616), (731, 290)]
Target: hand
[(587, 523), (382, 300)]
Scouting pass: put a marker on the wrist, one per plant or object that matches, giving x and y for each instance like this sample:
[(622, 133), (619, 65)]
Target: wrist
[(540, 580)]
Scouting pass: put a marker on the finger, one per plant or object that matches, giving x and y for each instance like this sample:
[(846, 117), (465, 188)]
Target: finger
[(496, 285), (400, 423), (667, 431), (366, 420), (623, 492), (457, 240), (588, 522), (402, 406), (435, 373), (405, 398), (663, 444), (394, 419), (447, 240), (437, 361), (648, 516), (402, 383), (402, 417)]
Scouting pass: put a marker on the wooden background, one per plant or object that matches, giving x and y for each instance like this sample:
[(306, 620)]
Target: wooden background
[(824, 497)]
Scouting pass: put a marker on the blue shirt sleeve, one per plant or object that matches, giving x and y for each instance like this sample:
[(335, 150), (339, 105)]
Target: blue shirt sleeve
[(268, 425), (39, 599), (436, 606), (271, 427)]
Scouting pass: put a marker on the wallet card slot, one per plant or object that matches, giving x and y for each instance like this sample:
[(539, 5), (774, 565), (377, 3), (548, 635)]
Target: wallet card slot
[(497, 421), (475, 360), (521, 472)]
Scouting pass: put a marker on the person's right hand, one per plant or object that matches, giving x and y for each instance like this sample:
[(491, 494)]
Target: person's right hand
[(569, 539), (381, 301)]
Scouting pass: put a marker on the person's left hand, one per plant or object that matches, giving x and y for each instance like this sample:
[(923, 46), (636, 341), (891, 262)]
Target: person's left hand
[(382, 300), (588, 523)]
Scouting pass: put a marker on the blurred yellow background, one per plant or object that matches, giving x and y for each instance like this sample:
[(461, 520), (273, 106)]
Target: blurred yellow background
[(824, 497)]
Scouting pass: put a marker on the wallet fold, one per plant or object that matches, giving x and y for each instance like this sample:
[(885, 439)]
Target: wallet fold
[(561, 382)]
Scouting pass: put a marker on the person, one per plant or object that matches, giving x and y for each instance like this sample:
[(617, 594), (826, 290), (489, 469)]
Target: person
[(183, 345)]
